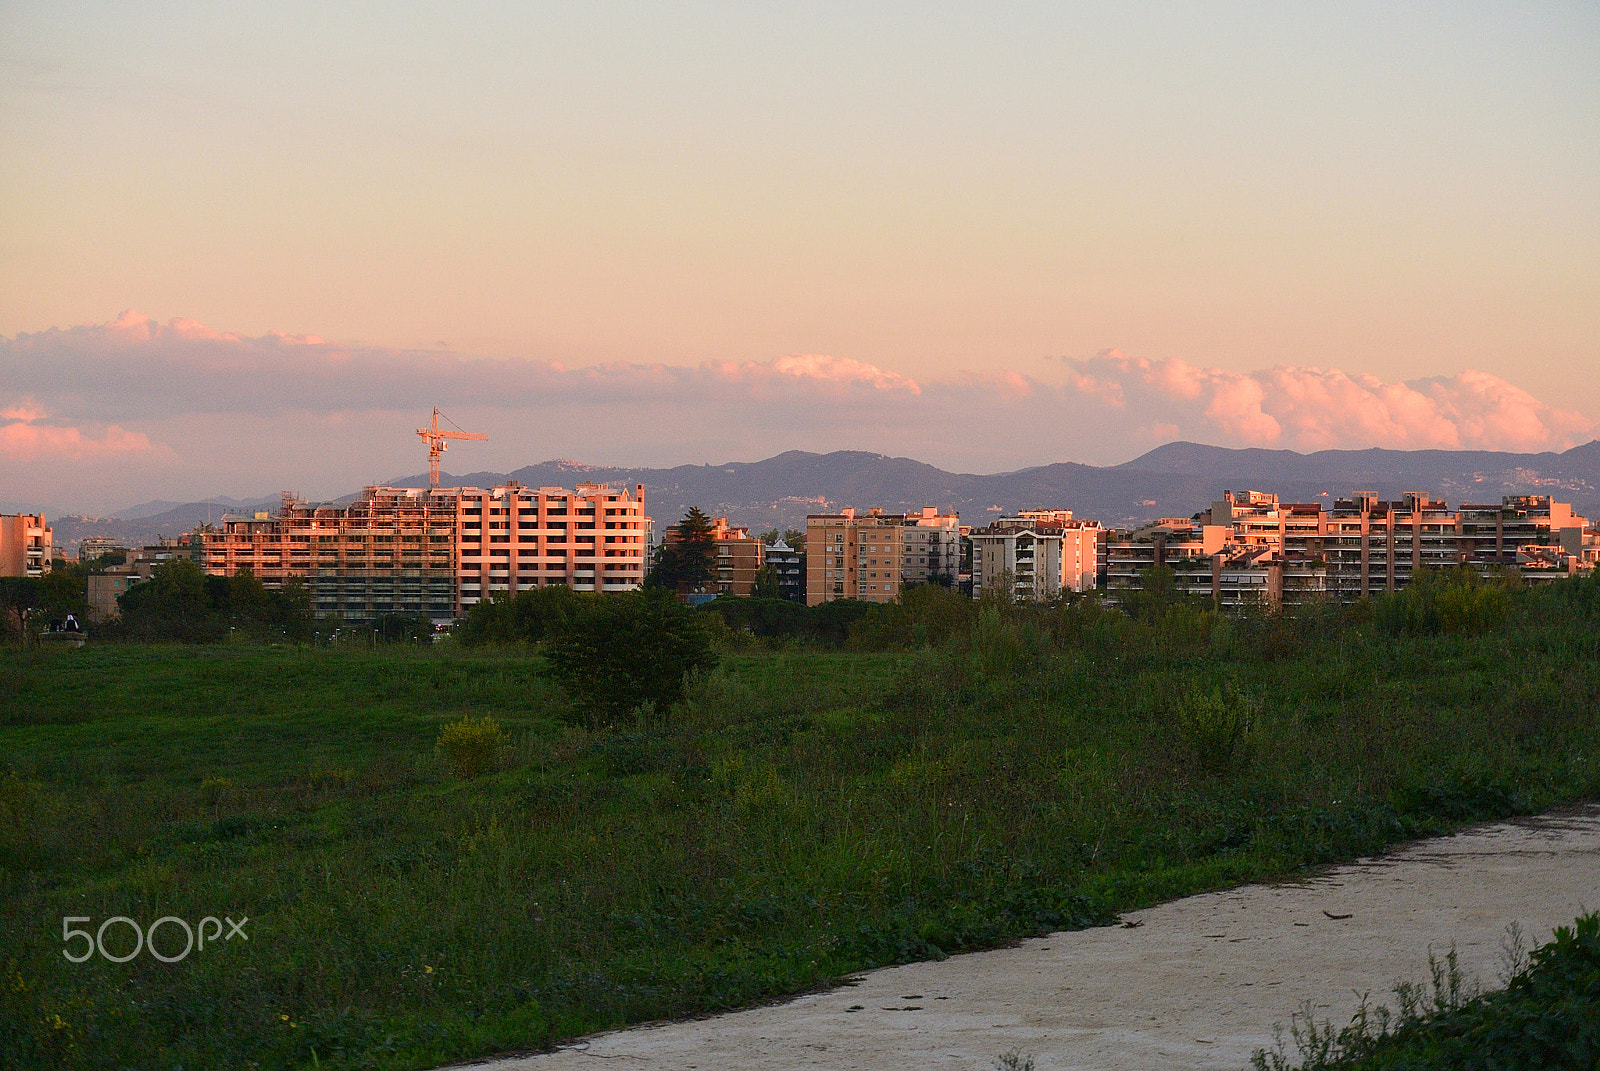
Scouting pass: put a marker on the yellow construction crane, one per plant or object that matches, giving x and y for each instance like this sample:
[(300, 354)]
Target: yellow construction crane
[(435, 438)]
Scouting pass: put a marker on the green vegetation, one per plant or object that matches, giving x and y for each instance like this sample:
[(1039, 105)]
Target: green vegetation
[(471, 744), (689, 562), (180, 602), (920, 780), (632, 653), (30, 604), (1547, 1017)]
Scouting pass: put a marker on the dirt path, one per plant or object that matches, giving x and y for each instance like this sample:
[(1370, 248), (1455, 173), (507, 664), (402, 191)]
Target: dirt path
[(1198, 983)]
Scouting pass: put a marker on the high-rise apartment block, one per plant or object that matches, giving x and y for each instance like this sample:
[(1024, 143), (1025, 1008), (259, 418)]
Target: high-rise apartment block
[(851, 555), (26, 547), (513, 538), (1044, 552), (437, 551), (932, 548)]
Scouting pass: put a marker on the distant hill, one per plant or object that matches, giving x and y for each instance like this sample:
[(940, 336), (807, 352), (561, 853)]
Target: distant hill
[(144, 527), (1175, 480)]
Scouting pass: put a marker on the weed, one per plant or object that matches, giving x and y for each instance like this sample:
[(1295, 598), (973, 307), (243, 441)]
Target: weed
[(1215, 727), (470, 745)]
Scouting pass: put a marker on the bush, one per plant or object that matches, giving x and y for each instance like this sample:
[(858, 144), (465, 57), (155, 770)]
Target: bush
[(1452, 601), (621, 651), (527, 617), (1215, 727), (469, 745)]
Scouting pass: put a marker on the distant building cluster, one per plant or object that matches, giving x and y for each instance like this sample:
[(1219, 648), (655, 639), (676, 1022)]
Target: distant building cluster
[(438, 551), (1250, 547)]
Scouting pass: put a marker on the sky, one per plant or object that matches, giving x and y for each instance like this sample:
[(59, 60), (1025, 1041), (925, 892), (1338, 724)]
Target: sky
[(248, 247)]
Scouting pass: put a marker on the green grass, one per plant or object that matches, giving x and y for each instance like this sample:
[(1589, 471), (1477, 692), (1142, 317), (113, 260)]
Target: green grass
[(1547, 1017), (804, 815)]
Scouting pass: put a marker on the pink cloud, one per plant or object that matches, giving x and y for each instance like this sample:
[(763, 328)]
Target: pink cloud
[(26, 440), (813, 367), (1315, 408), (120, 389), (25, 411)]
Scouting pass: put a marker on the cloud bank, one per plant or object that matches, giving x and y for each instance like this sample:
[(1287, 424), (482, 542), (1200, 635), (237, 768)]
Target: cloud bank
[(178, 408), (1319, 409), (27, 435)]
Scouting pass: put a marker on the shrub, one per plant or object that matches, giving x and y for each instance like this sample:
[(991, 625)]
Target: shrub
[(1452, 601), (1215, 727), (618, 652), (526, 617), (469, 745)]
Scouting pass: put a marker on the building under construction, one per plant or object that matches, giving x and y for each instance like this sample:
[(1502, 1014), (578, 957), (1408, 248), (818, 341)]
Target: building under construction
[(435, 551)]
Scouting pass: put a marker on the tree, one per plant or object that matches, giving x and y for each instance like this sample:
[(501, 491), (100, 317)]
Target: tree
[(174, 604), (65, 590), (527, 617), (686, 560), (180, 602), (619, 652), (766, 583), (20, 595)]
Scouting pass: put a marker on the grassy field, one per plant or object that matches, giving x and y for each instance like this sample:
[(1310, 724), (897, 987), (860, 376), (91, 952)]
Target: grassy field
[(804, 814)]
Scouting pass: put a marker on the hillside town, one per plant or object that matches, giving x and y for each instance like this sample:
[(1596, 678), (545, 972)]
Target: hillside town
[(435, 552)]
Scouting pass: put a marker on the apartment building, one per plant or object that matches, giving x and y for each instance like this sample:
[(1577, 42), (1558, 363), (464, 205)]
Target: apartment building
[(851, 555), (1045, 552), (92, 547), (1184, 545), (392, 550), (1363, 545), (437, 551), (26, 548), (739, 557), (512, 538), (932, 548), (789, 564), (107, 585)]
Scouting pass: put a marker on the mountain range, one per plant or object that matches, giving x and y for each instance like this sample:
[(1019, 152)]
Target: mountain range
[(1175, 480)]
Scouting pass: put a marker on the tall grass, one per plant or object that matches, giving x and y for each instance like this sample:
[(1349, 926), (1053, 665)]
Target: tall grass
[(800, 815)]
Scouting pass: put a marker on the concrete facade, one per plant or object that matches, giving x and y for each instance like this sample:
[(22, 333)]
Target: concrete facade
[(437, 551), (512, 538), (789, 565), (851, 555), (931, 547), (26, 548), (1046, 552)]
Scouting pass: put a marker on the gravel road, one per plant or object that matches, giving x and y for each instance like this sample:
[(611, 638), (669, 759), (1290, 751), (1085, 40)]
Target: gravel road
[(1196, 983)]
